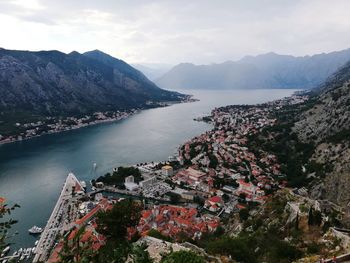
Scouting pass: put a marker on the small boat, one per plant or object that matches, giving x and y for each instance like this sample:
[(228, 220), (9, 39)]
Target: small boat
[(29, 253), (35, 230), (22, 257), (20, 250), (33, 250), (5, 251), (36, 242)]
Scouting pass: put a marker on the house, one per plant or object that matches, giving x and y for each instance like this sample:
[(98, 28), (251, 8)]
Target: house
[(214, 203), (167, 170)]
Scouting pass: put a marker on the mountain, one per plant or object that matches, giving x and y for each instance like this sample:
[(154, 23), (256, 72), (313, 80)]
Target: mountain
[(153, 70), (330, 114), (327, 126), (54, 83), (264, 71), (312, 142)]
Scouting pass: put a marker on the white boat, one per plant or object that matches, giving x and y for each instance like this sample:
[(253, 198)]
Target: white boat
[(5, 251), (20, 250), (36, 242), (29, 253), (22, 257), (35, 230), (83, 184)]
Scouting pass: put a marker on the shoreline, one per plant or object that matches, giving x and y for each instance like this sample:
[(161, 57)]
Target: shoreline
[(67, 130), (128, 113)]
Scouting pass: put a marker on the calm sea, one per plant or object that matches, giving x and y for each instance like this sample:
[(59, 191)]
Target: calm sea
[(32, 172)]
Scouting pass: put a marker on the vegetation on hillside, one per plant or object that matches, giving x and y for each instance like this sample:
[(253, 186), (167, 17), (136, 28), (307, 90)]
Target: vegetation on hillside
[(293, 154), (117, 178), (182, 256), (5, 222)]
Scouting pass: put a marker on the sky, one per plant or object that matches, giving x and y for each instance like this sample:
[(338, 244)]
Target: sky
[(171, 32)]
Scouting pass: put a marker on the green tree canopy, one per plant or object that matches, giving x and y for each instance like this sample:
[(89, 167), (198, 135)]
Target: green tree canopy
[(182, 256), (113, 224)]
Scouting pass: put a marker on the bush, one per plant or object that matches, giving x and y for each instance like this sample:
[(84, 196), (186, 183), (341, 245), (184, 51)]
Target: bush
[(182, 256)]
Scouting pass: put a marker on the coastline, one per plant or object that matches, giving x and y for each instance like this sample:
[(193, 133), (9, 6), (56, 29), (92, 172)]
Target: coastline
[(125, 115), (3, 142)]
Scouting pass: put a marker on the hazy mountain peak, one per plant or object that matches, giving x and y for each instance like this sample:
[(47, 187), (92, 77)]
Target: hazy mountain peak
[(270, 70), (73, 53)]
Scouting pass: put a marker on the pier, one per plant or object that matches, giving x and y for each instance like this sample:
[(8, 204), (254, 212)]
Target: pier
[(58, 222)]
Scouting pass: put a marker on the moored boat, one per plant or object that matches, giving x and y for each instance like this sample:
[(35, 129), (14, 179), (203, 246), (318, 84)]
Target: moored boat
[(35, 230)]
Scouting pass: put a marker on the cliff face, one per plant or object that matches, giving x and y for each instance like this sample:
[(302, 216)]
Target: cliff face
[(327, 125), (54, 83), (329, 116)]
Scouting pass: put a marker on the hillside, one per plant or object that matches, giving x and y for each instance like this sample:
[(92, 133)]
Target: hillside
[(312, 141), (327, 125), (264, 71), (54, 83)]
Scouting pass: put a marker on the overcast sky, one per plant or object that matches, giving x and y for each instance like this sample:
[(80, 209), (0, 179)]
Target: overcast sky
[(197, 31)]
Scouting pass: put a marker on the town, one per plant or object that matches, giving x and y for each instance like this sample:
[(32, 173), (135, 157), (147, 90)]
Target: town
[(214, 176), (49, 125)]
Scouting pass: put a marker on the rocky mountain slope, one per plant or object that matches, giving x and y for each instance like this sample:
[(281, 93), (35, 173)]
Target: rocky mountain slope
[(55, 83), (327, 125), (331, 113), (312, 142), (264, 71)]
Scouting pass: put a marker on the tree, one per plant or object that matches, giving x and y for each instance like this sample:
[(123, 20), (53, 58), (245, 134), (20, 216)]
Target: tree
[(140, 254), (317, 218), (213, 161), (226, 197), (182, 256), (242, 198), (5, 224), (76, 251), (113, 224), (174, 198), (297, 222), (244, 214), (311, 220)]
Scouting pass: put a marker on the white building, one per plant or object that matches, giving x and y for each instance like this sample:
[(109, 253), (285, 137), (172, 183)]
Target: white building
[(129, 183), (129, 179)]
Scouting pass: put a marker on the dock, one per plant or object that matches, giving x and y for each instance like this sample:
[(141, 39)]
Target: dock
[(58, 221)]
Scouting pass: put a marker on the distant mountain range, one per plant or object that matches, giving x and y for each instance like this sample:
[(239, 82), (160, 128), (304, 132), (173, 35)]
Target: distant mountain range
[(153, 70), (264, 71), (55, 83)]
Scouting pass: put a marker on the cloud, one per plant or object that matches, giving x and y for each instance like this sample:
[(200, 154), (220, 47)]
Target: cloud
[(168, 31)]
